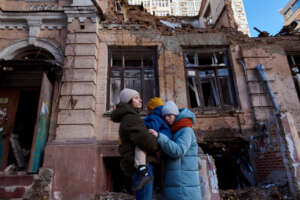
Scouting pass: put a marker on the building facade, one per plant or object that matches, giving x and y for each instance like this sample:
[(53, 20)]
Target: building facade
[(63, 63), (240, 16)]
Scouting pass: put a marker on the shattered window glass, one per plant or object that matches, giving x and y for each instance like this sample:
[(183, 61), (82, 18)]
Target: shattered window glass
[(116, 60), (209, 82), (223, 77), (193, 87), (209, 89), (294, 62), (115, 88), (190, 59), (132, 79), (149, 82), (132, 68)]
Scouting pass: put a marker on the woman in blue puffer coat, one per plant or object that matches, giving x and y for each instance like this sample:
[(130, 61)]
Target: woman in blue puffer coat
[(181, 181)]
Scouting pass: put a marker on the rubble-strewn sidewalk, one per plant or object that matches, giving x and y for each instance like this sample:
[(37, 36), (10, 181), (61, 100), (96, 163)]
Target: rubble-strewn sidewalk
[(266, 192)]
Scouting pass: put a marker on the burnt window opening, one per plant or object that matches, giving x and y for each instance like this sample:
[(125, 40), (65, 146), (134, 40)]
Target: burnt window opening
[(294, 62), (233, 166), (133, 68), (209, 79)]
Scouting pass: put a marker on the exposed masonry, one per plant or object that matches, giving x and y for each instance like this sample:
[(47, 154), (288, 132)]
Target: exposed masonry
[(81, 108)]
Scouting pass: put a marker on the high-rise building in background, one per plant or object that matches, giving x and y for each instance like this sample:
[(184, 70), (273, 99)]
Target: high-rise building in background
[(170, 7), (191, 8), (291, 13), (240, 16), (210, 10)]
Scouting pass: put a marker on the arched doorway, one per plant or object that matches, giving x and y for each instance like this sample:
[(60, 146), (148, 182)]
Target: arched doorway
[(26, 89)]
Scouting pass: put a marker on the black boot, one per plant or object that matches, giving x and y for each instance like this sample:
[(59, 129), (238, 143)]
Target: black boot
[(143, 178)]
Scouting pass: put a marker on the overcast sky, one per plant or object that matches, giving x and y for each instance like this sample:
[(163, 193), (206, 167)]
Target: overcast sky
[(264, 14)]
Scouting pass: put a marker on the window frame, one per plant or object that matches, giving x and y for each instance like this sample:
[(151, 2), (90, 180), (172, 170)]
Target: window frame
[(221, 107), (292, 57), (139, 51)]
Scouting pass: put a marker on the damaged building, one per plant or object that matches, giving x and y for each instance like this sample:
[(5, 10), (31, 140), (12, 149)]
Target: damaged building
[(64, 62)]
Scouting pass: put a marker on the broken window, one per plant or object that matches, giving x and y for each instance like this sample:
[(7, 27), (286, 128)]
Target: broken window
[(209, 78), (294, 61), (133, 68)]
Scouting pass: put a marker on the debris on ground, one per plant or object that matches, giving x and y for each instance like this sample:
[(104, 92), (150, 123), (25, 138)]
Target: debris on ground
[(266, 192), (122, 196), (114, 196)]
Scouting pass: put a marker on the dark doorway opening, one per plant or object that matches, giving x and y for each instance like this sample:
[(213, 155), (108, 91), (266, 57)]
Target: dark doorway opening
[(22, 135), (234, 169), (116, 179)]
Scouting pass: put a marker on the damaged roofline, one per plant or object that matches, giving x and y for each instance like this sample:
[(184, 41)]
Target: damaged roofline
[(98, 8)]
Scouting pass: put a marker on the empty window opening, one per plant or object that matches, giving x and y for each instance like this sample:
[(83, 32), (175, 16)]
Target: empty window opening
[(294, 62), (132, 67), (209, 79), (234, 169), (22, 135)]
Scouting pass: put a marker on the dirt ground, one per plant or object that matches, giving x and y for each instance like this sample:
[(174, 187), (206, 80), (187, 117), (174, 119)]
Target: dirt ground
[(265, 192)]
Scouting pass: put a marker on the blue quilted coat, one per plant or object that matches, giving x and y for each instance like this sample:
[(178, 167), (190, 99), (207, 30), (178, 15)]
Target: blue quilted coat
[(181, 181)]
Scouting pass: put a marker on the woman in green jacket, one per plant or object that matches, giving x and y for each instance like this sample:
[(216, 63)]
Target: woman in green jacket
[(133, 133)]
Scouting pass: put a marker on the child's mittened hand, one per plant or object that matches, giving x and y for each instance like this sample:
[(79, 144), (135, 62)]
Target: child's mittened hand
[(153, 132)]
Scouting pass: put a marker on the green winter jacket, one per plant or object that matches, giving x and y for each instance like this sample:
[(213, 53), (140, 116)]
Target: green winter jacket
[(133, 132)]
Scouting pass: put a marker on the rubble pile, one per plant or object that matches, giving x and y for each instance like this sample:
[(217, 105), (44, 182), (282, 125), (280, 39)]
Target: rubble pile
[(122, 196), (267, 192), (114, 196), (41, 187)]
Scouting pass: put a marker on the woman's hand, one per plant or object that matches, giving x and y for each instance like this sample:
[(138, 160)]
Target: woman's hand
[(153, 132)]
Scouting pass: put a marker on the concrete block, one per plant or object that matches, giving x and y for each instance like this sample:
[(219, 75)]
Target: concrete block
[(74, 131), (80, 102), (78, 88), (81, 50), (81, 62), (79, 75), (76, 117)]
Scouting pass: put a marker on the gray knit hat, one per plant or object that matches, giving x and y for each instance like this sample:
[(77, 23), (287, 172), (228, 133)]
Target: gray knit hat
[(170, 108), (127, 94)]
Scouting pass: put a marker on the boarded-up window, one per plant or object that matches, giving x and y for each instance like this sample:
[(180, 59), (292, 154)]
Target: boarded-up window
[(209, 78), (133, 68)]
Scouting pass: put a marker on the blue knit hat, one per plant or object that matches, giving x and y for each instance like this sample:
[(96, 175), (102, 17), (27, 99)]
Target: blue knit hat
[(170, 108)]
